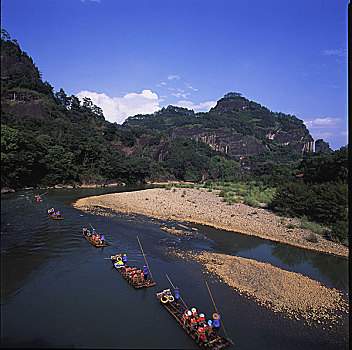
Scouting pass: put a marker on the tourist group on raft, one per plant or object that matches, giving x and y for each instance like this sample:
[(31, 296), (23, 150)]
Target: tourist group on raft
[(54, 213), (98, 239), (133, 274), (199, 326), (194, 322)]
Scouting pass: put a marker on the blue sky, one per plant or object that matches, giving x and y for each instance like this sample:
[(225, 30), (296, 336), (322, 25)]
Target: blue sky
[(136, 56)]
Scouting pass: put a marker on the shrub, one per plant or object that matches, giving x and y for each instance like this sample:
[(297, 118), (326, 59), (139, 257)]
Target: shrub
[(290, 226), (251, 202), (340, 231), (313, 237), (313, 226)]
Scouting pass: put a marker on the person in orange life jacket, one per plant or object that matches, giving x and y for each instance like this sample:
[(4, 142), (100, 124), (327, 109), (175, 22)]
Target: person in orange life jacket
[(193, 323), (201, 331), (201, 318), (185, 317), (177, 295), (97, 237), (124, 259), (145, 272), (139, 272), (209, 327), (216, 323), (58, 214), (194, 312)]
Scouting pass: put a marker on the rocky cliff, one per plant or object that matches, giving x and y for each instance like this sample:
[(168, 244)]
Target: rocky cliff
[(235, 145)]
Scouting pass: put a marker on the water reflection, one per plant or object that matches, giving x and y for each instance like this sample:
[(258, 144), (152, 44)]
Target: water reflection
[(328, 269)]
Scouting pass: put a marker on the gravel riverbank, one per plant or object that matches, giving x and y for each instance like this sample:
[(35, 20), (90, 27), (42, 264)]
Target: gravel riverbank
[(284, 291), (203, 207)]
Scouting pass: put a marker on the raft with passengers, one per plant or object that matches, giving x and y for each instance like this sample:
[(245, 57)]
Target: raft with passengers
[(94, 238), (138, 278), (204, 332), (56, 215)]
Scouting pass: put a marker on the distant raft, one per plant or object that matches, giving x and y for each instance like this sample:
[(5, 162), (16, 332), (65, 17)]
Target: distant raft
[(88, 236), (130, 274), (38, 198), (54, 215), (212, 340)]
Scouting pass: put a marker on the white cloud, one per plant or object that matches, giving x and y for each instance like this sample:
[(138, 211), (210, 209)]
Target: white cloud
[(171, 77), (322, 122), (335, 52), (201, 107), (161, 84), (191, 87), (180, 94), (117, 109)]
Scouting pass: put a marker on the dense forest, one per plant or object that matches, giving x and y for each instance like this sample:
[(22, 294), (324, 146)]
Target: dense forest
[(50, 138)]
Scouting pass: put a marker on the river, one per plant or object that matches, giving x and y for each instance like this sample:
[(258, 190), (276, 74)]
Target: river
[(58, 291)]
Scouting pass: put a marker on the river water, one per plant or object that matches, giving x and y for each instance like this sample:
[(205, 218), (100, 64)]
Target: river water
[(58, 291)]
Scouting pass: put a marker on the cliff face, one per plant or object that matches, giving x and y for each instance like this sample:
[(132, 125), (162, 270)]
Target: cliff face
[(23, 92), (301, 143), (235, 145), (238, 145), (15, 62), (322, 146), (20, 103), (142, 146)]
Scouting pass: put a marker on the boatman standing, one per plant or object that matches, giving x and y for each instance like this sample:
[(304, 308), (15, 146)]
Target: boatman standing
[(102, 239), (124, 259), (145, 272), (216, 323), (177, 295)]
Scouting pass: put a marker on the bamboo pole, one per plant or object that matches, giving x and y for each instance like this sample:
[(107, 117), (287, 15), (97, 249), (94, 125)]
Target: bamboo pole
[(175, 288), (43, 193), (145, 259), (216, 309)]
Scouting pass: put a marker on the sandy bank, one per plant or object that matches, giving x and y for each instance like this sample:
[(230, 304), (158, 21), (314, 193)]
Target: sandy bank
[(281, 291), (207, 208)]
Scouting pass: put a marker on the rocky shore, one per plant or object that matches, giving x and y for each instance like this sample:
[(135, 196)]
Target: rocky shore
[(203, 207), (297, 296)]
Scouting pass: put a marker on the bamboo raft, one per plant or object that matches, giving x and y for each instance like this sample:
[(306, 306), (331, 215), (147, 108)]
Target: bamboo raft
[(214, 341), (55, 217), (137, 284), (91, 241)]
